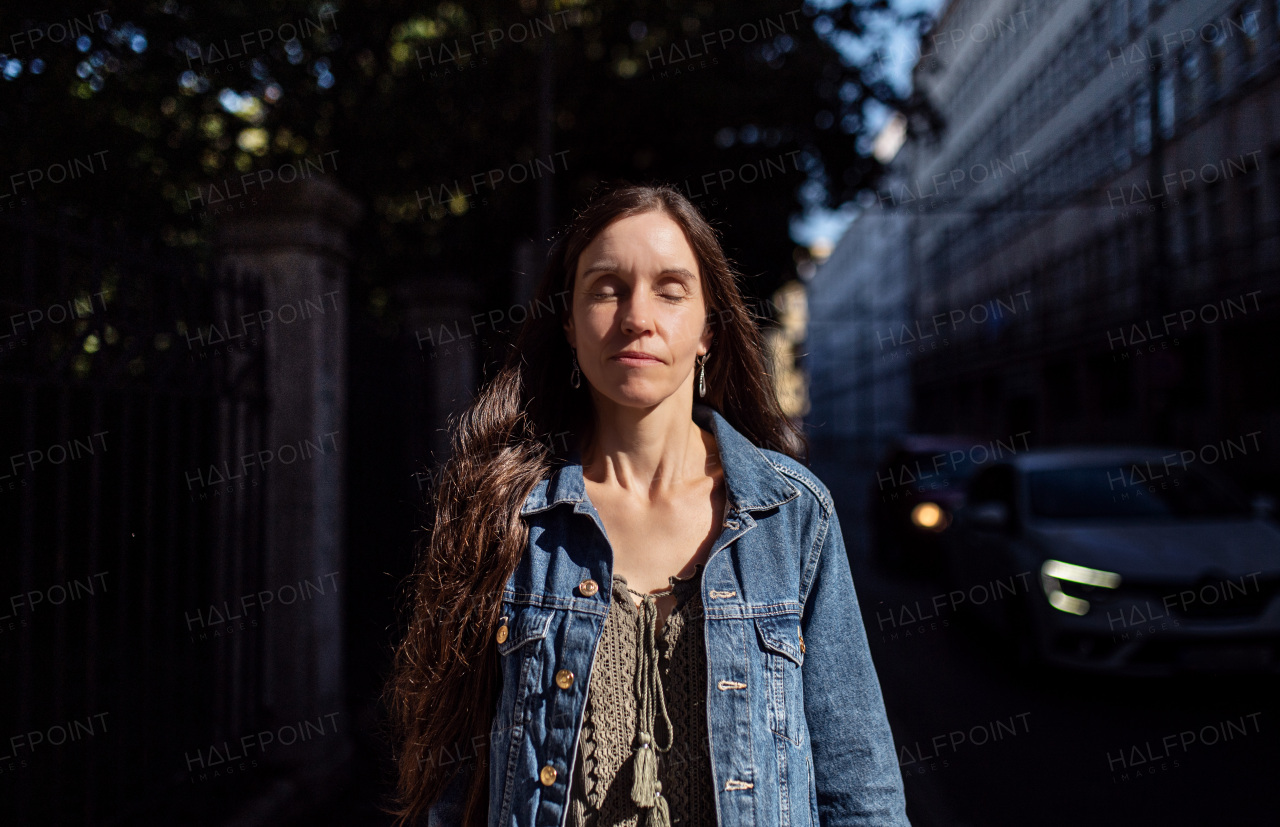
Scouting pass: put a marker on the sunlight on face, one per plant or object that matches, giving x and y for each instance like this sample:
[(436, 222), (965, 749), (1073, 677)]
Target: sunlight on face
[(638, 288)]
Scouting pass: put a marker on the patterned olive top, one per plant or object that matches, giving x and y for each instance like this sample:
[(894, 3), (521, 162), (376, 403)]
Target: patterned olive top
[(646, 686)]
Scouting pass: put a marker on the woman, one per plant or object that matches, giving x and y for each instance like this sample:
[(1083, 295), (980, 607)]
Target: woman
[(635, 606)]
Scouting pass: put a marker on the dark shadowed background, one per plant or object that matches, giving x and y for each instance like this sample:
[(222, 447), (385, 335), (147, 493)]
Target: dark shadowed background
[(254, 256)]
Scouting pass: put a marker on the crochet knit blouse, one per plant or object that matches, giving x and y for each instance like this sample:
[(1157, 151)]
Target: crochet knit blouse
[(642, 679)]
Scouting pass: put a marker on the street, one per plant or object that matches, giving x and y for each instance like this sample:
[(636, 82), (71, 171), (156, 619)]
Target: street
[(980, 744)]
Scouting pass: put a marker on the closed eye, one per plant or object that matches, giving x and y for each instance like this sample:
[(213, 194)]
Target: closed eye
[(667, 296)]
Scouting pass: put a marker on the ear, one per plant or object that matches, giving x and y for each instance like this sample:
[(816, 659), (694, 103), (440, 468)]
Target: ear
[(570, 333)]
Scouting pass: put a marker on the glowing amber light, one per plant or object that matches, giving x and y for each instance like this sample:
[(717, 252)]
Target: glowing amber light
[(928, 516)]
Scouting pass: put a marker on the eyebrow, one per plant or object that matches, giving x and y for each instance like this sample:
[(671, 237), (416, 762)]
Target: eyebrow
[(611, 266)]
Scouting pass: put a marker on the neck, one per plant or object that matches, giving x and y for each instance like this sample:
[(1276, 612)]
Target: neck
[(648, 450)]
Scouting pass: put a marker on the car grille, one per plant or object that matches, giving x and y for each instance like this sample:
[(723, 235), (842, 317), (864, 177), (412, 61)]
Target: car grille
[(1249, 655), (1219, 599)]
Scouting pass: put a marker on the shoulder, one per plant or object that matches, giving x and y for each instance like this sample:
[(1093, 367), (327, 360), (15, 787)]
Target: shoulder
[(813, 492), (815, 511)]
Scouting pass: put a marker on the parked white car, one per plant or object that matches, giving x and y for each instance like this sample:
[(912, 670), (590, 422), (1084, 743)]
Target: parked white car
[(1131, 560)]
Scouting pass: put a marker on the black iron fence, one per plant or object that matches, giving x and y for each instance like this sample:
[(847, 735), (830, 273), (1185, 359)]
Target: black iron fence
[(128, 538)]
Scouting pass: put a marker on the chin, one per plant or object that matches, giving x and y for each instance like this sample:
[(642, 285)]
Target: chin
[(638, 397)]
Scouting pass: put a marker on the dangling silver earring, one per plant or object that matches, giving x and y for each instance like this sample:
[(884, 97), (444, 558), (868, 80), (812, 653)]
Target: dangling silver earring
[(702, 374), (575, 378)]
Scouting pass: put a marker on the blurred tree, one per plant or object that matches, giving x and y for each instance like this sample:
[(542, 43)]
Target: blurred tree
[(444, 117)]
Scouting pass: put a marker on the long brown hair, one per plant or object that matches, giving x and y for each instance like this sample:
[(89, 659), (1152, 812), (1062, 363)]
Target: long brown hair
[(446, 676)]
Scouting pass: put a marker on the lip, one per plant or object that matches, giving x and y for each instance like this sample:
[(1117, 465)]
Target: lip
[(636, 357)]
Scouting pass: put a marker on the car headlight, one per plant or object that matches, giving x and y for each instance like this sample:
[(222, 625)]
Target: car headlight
[(930, 517), (1053, 574)]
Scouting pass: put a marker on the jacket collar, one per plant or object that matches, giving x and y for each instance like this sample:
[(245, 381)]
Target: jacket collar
[(753, 482)]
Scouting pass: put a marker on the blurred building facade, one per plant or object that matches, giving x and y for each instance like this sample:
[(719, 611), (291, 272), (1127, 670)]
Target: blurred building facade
[(860, 389), (1093, 235)]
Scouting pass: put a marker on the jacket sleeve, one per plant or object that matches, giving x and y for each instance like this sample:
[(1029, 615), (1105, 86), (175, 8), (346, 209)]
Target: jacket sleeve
[(854, 759), (447, 811)]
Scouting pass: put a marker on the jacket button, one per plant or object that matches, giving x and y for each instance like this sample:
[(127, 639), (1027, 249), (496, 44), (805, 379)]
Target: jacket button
[(564, 679), (588, 587), (502, 633), (548, 775), (802, 644)]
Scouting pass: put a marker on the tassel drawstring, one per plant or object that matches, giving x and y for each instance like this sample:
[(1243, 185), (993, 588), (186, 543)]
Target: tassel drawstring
[(646, 791)]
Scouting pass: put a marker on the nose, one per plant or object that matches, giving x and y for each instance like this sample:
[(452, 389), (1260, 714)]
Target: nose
[(637, 313)]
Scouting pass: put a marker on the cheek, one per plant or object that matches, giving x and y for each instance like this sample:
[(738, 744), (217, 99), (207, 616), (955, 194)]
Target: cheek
[(688, 323), (594, 323), (598, 317)]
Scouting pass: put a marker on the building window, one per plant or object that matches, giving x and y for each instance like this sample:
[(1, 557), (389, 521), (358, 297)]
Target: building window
[(1098, 33), (1112, 265), (1252, 207), (1216, 213), (1119, 22), (1216, 75), (1250, 29), (1166, 104), (1097, 264), (1137, 16), (1190, 77), (1169, 223), (1143, 231), (1142, 122), (1120, 130), (1088, 155), (1190, 228), (1124, 247)]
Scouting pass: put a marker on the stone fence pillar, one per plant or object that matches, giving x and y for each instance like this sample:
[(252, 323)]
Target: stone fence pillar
[(295, 243), (443, 342)]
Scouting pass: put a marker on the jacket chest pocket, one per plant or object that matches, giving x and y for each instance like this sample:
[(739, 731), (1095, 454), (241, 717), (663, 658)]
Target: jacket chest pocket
[(519, 636), (519, 633), (783, 656)]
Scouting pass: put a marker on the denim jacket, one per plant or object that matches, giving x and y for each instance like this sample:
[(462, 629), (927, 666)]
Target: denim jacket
[(795, 718)]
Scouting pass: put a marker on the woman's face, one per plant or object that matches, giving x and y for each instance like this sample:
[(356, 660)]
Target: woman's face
[(638, 289)]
